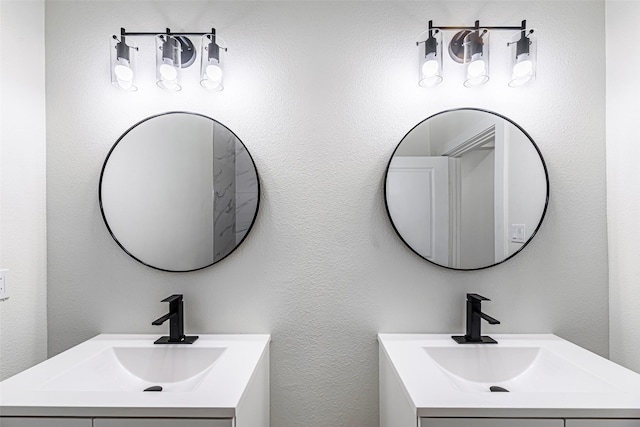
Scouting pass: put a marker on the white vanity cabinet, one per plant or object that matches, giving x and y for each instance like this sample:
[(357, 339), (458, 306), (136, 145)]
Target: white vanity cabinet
[(428, 380), (45, 422), (489, 422), (114, 422), (603, 423), (161, 422), (218, 381), (521, 422)]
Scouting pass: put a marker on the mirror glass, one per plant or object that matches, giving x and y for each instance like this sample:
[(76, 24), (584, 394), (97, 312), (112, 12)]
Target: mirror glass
[(466, 189), (179, 191)]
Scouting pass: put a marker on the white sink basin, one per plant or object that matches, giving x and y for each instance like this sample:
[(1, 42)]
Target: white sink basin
[(516, 369), (107, 376), (174, 368), (545, 376)]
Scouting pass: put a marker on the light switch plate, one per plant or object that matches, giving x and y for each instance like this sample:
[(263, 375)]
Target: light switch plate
[(518, 233), (4, 284)]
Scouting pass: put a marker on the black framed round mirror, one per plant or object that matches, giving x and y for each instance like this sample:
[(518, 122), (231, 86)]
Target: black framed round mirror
[(466, 189), (179, 191)]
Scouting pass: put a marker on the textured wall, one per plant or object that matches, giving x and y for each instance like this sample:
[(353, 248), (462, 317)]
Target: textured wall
[(623, 184), (321, 93), (23, 324)]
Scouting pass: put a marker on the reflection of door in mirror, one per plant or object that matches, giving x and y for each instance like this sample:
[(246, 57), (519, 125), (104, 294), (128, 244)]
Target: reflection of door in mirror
[(477, 228), (419, 198), (476, 182)]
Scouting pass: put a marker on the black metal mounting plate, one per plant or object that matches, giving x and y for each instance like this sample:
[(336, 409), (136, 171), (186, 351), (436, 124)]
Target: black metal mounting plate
[(456, 46), (461, 339), (167, 340)]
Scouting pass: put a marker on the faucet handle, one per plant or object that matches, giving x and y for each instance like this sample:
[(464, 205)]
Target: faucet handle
[(173, 298), (476, 298)]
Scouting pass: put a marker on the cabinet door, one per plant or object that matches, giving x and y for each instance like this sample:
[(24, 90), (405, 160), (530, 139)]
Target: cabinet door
[(44, 422), (160, 422), (489, 422), (603, 423)]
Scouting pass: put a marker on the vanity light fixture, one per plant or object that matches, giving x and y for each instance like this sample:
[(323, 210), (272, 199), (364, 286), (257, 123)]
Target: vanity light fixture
[(123, 63), (210, 65), (168, 62), (470, 46), (523, 56), (431, 59), (476, 57), (174, 51)]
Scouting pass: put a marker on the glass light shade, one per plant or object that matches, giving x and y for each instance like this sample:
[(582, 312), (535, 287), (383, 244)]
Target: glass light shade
[(430, 59), (168, 62), (123, 54), (476, 57), (523, 56), (211, 71)]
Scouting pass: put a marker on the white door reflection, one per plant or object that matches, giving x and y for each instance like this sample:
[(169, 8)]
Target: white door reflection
[(419, 194)]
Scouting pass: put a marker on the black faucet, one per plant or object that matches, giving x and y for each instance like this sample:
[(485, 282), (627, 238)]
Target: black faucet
[(176, 323), (474, 317)]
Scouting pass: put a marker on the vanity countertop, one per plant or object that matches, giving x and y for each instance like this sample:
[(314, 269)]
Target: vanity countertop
[(104, 376), (545, 374)]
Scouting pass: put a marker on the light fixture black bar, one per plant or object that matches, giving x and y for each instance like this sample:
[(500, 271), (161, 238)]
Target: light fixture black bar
[(123, 32), (475, 27)]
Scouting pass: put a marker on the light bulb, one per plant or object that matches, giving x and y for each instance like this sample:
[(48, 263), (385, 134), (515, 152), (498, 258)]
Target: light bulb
[(123, 73), (476, 68), (168, 72), (523, 68), (214, 73), (430, 68)]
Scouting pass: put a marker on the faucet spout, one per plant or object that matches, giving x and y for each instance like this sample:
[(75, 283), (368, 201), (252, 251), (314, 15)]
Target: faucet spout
[(163, 319), (474, 318), (489, 319), (176, 323)]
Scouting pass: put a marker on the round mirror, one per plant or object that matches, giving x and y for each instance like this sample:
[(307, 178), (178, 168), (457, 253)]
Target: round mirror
[(179, 191), (466, 189)]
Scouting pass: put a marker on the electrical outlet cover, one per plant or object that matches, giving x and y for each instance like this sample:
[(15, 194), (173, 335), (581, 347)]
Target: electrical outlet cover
[(4, 284), (518, 233)]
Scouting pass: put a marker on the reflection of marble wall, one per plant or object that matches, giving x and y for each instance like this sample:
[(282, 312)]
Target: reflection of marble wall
[(246, 192), (224, 185)]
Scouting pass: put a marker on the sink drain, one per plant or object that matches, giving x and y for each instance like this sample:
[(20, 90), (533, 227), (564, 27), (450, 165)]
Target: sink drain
[(154, 388), (498, 389)]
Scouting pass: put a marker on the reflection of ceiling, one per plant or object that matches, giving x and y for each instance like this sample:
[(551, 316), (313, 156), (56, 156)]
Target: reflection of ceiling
[(483, 140), (440, 134), (433, 136), (445, 127)]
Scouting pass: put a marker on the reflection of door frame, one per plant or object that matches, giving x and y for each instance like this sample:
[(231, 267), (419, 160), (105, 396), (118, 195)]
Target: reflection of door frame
[(475, 139), (501, 195), (455, 210)]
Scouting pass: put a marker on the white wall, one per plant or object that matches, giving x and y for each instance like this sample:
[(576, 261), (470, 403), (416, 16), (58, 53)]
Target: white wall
[(623, 183), (477, 220), (526, 186), (321, 93), (23, 324)]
